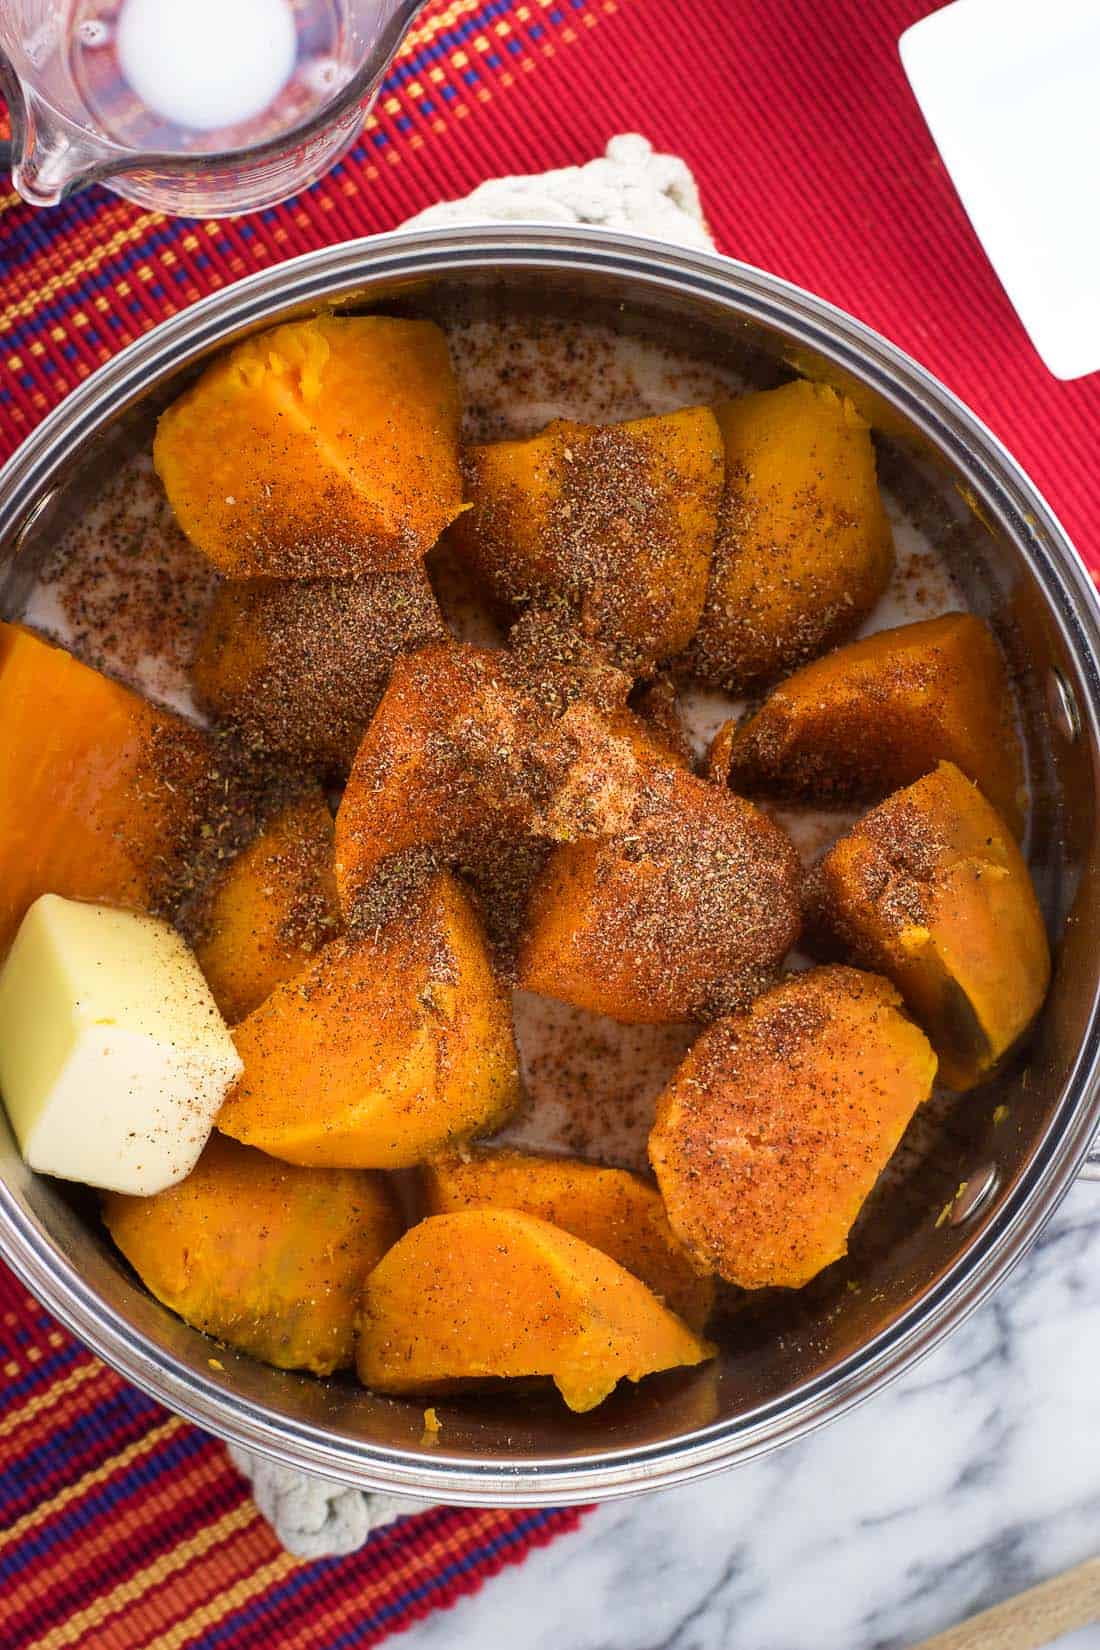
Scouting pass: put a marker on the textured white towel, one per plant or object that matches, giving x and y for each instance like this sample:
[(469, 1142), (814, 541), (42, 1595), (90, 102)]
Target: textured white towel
[(315, 1517), (629, 187), (632, 188)]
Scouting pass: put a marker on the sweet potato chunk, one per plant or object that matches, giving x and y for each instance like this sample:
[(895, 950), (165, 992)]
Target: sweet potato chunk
[(804, 548), (299, 665), (780, 1120), (656, 704), (267, 1257), (881, 712), (930, 889), (615, 1211), (101, 794), (614, 523), (688, 912), (409, 785), (492, 1292), (270, 909), (388, 1047), (463, 743), (320, 449)]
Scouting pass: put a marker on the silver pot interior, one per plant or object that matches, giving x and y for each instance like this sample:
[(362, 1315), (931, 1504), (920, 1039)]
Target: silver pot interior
[(787, 1360)]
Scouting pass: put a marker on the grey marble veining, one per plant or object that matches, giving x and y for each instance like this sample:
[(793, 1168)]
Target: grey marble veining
[(974, 1476)]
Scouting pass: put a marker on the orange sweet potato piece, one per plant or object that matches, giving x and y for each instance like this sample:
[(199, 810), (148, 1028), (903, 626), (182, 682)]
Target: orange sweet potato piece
[(324, 448), (776, 1126), (615, 1211), (689, 911), (615, 523), (460, 744), (267, 1257), (804, 547), (491, 1292), (270, 909), (409, 785), (299, 665), (881, 712), (656, 704), (930, 889), (101, 794), (389, 1046)]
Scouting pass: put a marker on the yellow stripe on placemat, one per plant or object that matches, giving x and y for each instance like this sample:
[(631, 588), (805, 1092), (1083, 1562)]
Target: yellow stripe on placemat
[(47, 1509), (327, 1620), (121, 1532), (421, 33), (57, 1390), (324, 1619), (233, 1598), (82, 266), (129, 1593)]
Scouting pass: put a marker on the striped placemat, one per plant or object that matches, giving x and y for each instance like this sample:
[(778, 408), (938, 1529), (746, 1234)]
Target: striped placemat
[(124, 1528)]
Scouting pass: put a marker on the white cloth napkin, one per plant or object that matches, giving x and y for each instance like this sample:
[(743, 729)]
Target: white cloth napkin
[(629, 187)]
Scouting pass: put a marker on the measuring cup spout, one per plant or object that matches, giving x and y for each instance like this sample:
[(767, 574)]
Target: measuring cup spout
[(50, 156), (59, 82)]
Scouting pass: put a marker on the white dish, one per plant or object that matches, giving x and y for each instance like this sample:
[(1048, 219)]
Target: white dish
[(1011, 93)]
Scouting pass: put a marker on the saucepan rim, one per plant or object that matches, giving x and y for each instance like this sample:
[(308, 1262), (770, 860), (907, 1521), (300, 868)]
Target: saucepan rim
[(1007, 497)]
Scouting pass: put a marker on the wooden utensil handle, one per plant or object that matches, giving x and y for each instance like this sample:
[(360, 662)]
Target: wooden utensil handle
[(1032, 1619)]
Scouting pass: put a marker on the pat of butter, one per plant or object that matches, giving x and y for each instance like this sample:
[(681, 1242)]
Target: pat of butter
[(114, 1059)]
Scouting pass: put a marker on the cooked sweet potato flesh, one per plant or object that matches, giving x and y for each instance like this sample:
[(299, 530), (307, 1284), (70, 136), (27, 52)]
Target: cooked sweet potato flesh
[(265, 1256), (657, 705), (101, 793), (390, 1045), (491, 1292), (299, 665), (687, 912), (325, 448), (930, 889), (879, 714), (779, 1121), (271, 908), (613, 523), (410, 785), (463, 743), (616, 1212), (804, 548)]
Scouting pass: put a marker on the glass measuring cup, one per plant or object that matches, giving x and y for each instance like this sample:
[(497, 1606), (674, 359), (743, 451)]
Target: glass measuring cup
[(108, 91)]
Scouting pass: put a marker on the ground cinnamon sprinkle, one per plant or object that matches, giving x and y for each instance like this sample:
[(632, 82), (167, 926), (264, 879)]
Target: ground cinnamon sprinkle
[(310, 919), (510, 756), (730, 646), (298, 666), (610, 522), (591, 1084), (778, 1122), (688, 909), (892, 877), (224, 800), (130, 588)]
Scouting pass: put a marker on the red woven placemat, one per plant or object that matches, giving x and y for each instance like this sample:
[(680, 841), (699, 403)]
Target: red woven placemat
[(121, 1527)]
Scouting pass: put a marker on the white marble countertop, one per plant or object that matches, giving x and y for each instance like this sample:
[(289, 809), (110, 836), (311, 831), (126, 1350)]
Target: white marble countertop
[(972, 1477)]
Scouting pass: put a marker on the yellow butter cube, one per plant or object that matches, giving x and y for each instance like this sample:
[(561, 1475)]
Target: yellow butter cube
[(114, 1059)]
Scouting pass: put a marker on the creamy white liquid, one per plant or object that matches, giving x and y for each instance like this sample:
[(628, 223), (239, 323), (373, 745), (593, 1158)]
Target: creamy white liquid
[(591, 1083), (207, 64)]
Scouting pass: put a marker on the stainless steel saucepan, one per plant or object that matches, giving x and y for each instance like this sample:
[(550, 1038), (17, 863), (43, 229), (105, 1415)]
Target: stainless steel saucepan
[(791, 1362)]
